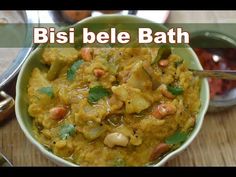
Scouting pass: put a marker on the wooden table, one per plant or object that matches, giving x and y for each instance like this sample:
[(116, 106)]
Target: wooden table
[(215, 145)]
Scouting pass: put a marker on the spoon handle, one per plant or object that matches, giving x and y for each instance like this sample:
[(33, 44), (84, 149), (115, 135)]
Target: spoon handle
[(221, 74), (6, 106)]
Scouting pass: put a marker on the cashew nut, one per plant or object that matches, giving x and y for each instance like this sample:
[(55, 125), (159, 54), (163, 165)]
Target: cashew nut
[(165, 92), (86, 54), (98, 72), (57, 113), (158, 151), (163, 110), (164, 63), (116, 139)]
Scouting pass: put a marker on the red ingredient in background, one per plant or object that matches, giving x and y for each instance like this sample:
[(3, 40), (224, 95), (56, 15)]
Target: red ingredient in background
[(227, 62)]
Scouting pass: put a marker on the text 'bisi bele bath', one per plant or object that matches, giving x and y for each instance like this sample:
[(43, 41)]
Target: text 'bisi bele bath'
[(144, 36)]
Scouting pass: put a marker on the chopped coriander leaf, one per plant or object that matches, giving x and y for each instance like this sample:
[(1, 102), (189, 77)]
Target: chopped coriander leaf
[(66, 131), (96, 93), (46, 90), (177, 138), (72, 70), (175, 90)]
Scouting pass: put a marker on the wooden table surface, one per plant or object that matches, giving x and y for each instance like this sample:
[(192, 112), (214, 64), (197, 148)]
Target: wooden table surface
[(215, 145)]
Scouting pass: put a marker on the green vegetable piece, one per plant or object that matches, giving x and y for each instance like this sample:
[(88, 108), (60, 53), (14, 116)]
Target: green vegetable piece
[(96, 93), (67, 130), (119, 162), (175, 90), (163, 53), (55, 68), (47, 90), (72, 70), (177, 138)]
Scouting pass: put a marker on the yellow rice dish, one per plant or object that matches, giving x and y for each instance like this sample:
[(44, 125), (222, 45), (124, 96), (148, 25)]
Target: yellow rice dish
[(112, 106)]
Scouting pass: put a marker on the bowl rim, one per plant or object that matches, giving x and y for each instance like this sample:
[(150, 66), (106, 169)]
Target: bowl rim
[(214, 35), (211, 34), (60, 161)]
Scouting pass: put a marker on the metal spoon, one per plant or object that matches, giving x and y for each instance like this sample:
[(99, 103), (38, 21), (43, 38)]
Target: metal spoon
[(221, 74), (4, 162)]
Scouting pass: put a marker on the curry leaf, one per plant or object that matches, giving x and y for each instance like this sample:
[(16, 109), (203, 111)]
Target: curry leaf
[(177, 138), (72, 70), (163, 53), (46, 90), (175, 90), (96, 93), (67, 130)]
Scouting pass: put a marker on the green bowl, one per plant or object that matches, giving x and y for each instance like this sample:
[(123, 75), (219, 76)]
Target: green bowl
[(33, 61)]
